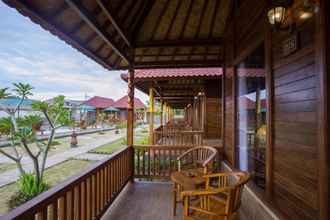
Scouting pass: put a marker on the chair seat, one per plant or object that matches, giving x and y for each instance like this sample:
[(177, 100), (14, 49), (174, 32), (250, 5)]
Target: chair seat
[(217, 206)]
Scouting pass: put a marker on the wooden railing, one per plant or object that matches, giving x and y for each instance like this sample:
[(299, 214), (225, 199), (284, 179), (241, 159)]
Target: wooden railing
[(178, 138), (154, 161), (86, 196)]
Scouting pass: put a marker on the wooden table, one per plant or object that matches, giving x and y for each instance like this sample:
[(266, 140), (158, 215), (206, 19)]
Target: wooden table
[(183, 181)]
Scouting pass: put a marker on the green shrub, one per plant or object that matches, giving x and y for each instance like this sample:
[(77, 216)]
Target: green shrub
[(28, 188)]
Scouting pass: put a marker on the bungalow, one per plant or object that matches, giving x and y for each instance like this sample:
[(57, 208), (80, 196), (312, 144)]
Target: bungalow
[(122, 105), (100, 104)]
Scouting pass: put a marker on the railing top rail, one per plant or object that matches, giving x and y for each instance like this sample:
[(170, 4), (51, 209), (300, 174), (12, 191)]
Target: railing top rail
[(162, 147), (59, 190), (180, 132)]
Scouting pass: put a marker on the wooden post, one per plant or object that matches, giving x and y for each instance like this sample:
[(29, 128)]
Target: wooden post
[(151, 116), (323, 60), (161, 113), (130, 116)]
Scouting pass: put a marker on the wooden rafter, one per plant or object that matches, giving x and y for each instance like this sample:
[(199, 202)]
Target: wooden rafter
[(90, 19), (159, 19), (114, 20), (173, 19), (142, 17), (132, 19)]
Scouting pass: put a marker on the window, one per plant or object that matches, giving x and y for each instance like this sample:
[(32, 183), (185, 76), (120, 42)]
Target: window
[(251, 116)]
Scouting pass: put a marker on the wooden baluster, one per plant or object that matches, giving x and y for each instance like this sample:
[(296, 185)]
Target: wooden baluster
[(149, 174), (105, 189), (77, 203), (137, 159), (93, 194), (69, 208), (117, 175), (42, 215), (83, 199), (120, 172), (101, 189), (143, 162), (89, 199), (154, 162), (62, 208), (170, 161), (111, 180), (98, 189), (52, 211)]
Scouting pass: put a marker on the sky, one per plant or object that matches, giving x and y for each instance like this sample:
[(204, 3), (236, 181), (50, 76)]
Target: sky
[(30, 54)]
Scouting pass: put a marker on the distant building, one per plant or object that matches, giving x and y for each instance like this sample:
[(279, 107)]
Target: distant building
[(100, 104), (72, 105), (122, 105)]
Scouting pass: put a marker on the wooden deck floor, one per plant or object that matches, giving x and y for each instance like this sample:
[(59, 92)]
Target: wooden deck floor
[(145, 201)]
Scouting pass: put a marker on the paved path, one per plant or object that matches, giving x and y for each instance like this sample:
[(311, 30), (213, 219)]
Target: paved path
[(12, 175), (92, 156)]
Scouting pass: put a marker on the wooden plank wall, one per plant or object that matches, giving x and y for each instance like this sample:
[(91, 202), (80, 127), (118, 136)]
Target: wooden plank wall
[(213, 109), (213, 118), (295, 159), (295, 181)]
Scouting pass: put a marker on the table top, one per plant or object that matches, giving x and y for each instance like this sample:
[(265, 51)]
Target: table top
[(186, 181)]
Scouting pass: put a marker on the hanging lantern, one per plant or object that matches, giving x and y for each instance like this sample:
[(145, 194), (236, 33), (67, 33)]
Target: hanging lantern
[(277, 13)]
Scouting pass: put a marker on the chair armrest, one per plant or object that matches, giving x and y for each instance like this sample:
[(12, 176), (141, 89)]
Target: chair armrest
[(202, 192)]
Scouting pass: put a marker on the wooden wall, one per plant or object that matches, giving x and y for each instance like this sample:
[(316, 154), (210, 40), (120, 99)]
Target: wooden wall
[(213, 108), (294, 159), (295, 170), (213, 118)]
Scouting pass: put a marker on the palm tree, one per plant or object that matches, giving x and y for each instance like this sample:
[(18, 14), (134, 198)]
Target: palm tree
[(23, 90), (3, 93)]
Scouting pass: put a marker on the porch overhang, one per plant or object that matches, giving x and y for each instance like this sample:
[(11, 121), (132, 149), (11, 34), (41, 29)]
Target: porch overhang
[(146, 34)]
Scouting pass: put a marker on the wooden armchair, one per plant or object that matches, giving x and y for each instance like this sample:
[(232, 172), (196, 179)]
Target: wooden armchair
[(199, 159), (219, 200)]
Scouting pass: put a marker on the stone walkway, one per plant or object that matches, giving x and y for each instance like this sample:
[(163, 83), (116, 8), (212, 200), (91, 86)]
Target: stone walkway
[(12, 175), (92, 156)]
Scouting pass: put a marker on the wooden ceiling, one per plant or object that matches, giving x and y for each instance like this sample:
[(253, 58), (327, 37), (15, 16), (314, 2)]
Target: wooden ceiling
[(177, 92), (144, 33)]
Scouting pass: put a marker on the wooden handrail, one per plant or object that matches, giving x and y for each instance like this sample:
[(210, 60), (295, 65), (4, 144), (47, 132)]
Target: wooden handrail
[(89, 193)]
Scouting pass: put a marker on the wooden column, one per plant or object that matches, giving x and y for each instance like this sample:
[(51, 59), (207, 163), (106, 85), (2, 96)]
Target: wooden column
[(130, 108), (323, 61), (161, 113), (130, 118), (270, 112), (151, 116)]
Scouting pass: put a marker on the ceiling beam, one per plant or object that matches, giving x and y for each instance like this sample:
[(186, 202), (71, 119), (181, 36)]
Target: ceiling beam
[(178, 63), (175, 98), (113, 19), (181, 43), (91, 21)]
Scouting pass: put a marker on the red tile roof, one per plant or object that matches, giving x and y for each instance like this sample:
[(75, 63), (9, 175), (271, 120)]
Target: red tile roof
[(122, 103), (191, 72), (99, 102)]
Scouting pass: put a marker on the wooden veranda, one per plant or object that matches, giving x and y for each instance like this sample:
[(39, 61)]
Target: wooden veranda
[(273, 123)]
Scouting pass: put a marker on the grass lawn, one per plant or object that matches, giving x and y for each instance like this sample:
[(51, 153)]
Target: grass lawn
[(110, 148), (7, 166), (53, 176), (140, 138)]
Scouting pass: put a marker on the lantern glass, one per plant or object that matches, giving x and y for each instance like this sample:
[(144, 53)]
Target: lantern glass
[(276, 16)]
